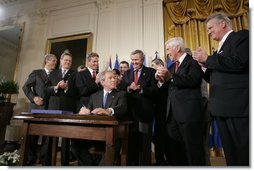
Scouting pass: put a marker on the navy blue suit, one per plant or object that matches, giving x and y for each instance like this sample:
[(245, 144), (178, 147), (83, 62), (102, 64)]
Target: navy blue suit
[(36, 85), (63, 100), (228, 75), (141, 109), (186, 117)]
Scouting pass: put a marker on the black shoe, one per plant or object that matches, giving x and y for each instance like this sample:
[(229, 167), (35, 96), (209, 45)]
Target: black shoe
[(96, 160), (161, 163), (31, 163)]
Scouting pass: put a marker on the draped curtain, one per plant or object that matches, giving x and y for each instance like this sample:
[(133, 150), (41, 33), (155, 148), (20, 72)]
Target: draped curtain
[(186, 19)]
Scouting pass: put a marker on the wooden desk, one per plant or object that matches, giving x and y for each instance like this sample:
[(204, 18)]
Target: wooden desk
[(89, 127)]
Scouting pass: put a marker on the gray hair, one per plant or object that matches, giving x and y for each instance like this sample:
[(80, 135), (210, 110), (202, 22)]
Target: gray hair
[(48, 57), (158, 62), (140, 52), (176, 41), (220, 17), (102, 75), (92, 54)]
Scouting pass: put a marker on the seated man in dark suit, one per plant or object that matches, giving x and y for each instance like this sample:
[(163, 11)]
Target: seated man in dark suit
[(108, 101)]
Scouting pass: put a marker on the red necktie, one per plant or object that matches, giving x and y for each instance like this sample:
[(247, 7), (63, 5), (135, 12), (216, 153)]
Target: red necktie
[(177, 66), (136, 76), (94, 75)]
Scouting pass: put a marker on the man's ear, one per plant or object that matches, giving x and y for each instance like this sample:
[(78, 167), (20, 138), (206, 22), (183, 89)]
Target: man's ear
[(178, 48), (224, 24)]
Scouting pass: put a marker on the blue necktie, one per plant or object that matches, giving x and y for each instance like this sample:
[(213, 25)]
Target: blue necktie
[(105, 99)]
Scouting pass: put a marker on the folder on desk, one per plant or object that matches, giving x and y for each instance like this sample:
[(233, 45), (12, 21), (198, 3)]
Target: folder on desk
[(44, 111)]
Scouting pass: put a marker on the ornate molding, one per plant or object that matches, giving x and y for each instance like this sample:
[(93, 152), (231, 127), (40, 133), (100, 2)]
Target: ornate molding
[(152, 1), (104, 3), (38, 15), (11, 2)]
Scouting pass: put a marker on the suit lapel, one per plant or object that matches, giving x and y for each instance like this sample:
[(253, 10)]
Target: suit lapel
[(185, 61), (110, 98), (87, 72), (131, 75), (59, 74), (67, 75), (227, 39), (142, 75), (44, 76), (101, 96)]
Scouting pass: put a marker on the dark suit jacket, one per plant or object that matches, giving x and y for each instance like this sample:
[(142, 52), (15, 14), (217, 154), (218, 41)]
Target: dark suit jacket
[(228, 75), (116, 99), (141, 104), (86, 87), (184, 93), (35, 86), (62, 100)]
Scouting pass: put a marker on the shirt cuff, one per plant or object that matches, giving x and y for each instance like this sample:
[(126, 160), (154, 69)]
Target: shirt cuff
[(112, 111), (159, 84)]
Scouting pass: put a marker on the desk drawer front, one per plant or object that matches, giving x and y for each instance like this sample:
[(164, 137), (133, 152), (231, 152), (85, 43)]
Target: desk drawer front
[(67, 131)]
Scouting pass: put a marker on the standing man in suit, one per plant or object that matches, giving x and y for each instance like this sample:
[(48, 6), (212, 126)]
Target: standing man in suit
[(186, 119), (140, 85), (228, 75), (34, 89), (63, 95), (109, 101), (87, 82)]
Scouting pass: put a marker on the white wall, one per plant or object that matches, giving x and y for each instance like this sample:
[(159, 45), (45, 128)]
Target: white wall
[(118, 26)]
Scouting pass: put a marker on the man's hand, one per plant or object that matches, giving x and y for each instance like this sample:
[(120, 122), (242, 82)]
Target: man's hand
[(200, 55), (101, 111), (162, 74), (84, 111), (38, 100), (134, 86), (63, 84)]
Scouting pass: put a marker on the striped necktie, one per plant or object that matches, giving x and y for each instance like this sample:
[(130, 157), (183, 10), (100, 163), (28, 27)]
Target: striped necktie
[(136, 76), (177, 66), (63, 73), (94, 75)]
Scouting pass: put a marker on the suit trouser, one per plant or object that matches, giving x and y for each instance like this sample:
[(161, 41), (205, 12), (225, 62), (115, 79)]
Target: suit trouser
[(32, 150), (139, 147), (65, 151), (81, 152), (160, 132), (235, 139), (187, 143)]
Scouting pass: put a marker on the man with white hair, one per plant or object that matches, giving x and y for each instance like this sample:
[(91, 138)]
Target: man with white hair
[(186, 120)]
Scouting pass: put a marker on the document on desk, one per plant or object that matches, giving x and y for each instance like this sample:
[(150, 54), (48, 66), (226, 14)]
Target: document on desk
[(44, 111)]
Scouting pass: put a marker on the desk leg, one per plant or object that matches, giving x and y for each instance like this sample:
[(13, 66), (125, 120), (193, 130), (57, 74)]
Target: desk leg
[(110, 147), (23, 141), (124, 145), (54, 150)]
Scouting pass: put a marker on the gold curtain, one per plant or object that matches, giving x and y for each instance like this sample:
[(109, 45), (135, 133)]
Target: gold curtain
[(185, 18)]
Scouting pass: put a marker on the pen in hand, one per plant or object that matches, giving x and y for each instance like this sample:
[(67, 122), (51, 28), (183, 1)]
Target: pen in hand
[(84, 110)]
